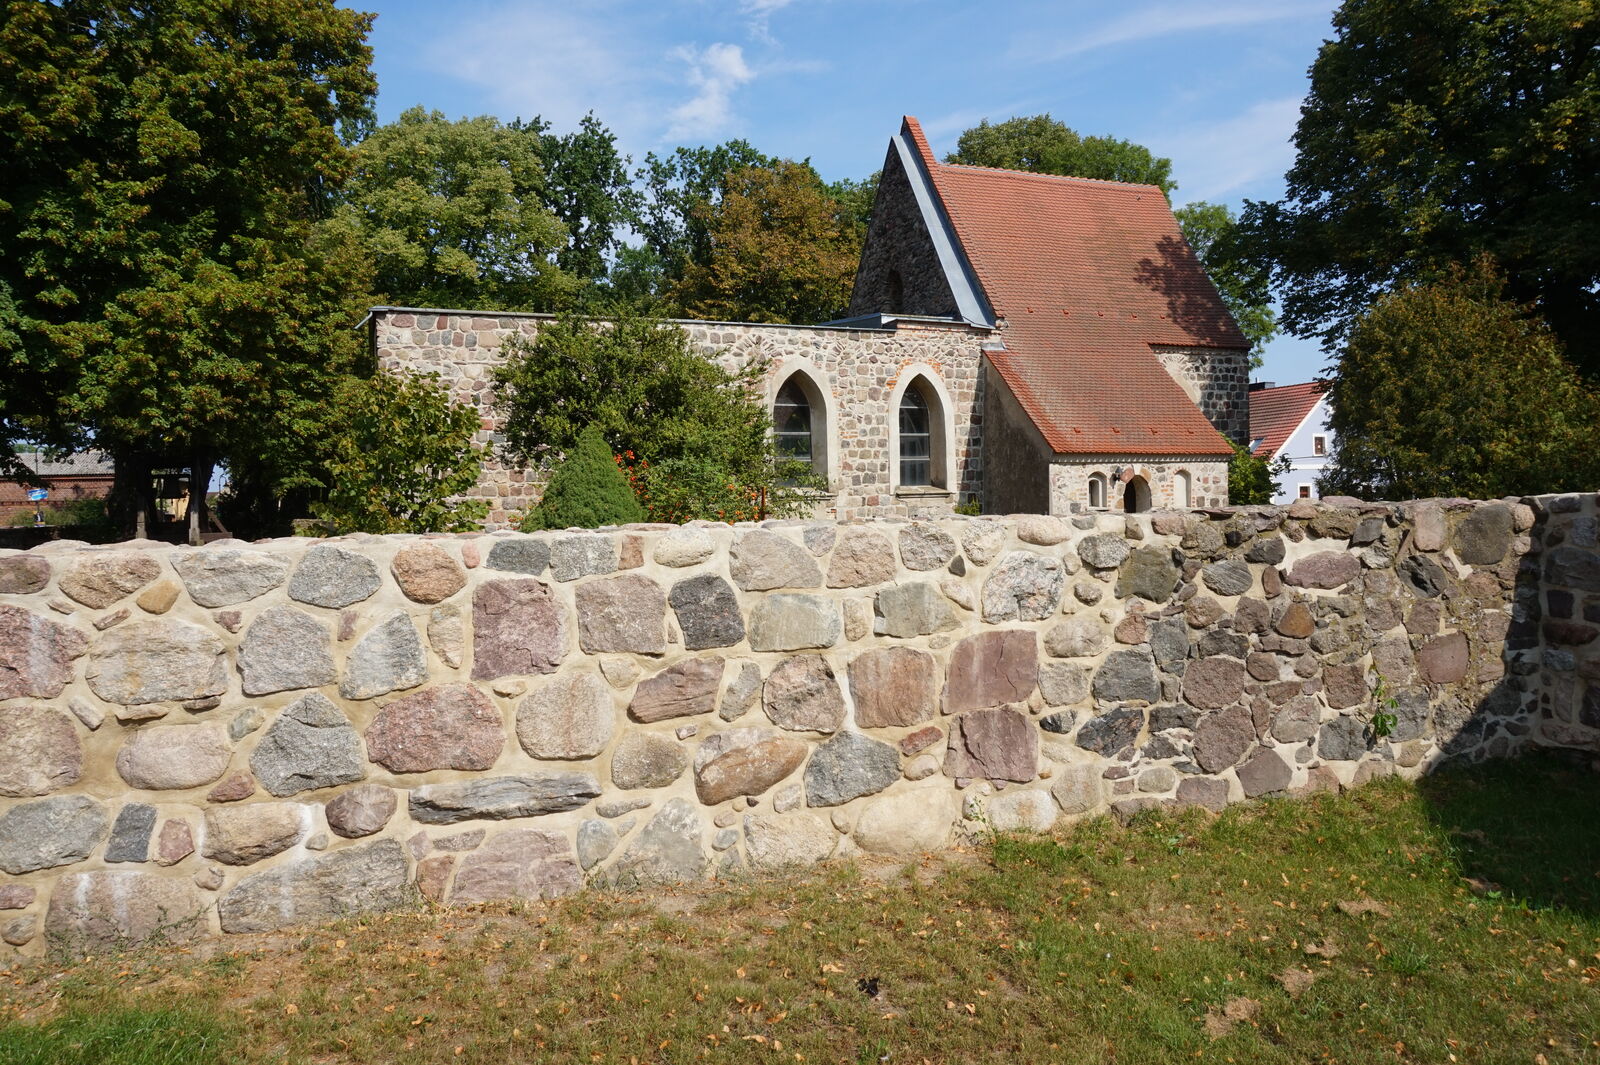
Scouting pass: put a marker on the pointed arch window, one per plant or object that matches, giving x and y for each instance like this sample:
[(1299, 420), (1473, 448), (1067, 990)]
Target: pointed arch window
[(792, 423), (916, 439)]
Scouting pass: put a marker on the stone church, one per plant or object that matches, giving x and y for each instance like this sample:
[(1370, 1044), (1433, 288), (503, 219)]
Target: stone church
[(1040, 344)]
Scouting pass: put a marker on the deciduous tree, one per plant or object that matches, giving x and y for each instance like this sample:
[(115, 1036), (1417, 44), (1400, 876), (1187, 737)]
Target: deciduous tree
[(1212, 231), (1049, 146)]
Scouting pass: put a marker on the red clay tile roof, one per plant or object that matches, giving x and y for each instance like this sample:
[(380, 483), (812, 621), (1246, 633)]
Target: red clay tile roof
[(1088, 274), (1275, 413)]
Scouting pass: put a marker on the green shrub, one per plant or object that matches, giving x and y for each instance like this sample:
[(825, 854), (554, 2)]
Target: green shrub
[(586, 491)]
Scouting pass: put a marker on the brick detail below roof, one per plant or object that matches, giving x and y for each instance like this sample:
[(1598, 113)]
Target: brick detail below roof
[(1275, 413), (1087, 276)]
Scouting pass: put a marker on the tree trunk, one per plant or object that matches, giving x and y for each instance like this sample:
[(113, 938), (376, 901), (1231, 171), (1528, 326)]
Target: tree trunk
[(199, 481), (129, 502)]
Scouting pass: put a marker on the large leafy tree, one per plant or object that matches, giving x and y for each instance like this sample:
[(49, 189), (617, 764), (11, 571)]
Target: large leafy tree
[(1047, 145), (1212, 230), (163, 288), (783, 249), (678, 187), (1449, 388), (1436, 130), (587, 187), (453, 215)]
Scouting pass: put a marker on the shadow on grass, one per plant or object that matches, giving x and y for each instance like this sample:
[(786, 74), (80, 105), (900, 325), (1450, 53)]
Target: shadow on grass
[(116, 1037), (1524, 826)]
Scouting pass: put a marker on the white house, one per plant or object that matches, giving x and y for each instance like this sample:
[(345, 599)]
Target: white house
[(1291, 422)]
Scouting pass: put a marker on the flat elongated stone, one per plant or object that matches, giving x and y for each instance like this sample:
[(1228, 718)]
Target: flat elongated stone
[(991, 669), (98, 580), (285, 649), (1024, 586), (387, 659), (37, 654), (41, 751), (684, 546), (861, 558), (847, 767), (1325, 569), (160, 660), (683, 690), (333, 577), (582, 555), (517, 627), (744, 761), (501, 798), (708, 612), (224, 576), (993, 745), (45, 833), (893, 687), (519, 554), (173, 757), (570, 718), (668, 849), (452, 726), (761, 561), (802, 695), (23, 574), (794, 623), (625, 614), (647, 760), (120, 909), (519, 863), (427, 573), (1228, 577), (311, 745), (360, 811), (368, 878), (244, 835)]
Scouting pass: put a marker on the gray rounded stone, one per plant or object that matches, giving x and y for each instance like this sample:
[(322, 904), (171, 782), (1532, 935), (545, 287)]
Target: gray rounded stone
[(120, 909), (1025, 586), (521, 554), (331, 576), (1266, 772), (361, 811), (1112, 732), (647, 760), (311, 745), (1063, 683), (389, 658), (1127, 676), (684, 546), (785, 842), (45, 833), (42, 752), (364, 879), (1103, 551), (162, 660), (668, 849), (861, 558), (760, 561), (1078, 788), (625, 614), (596, 841), (802, 695), (1344, 739), (1228, 577), (244, 835), (568, 718), (1484, 536), (924, 547), (793, 622), (707, 610), (174, 757), (848, 766), (913, 608), (224, 576), (285, 649)]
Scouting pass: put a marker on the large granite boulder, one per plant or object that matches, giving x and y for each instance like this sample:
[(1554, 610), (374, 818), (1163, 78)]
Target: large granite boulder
[(121, 909), (517, 628), (452, 726), (387, 659), (311, 745), (174, 757), (42, 751), (568, 718), (333, 577), (367, 878), (36, 654), (161, 660), (519, 863), (285, 649)]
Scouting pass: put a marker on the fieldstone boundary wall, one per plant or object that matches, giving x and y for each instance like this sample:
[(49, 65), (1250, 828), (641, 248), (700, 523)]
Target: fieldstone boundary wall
[(247, 737)]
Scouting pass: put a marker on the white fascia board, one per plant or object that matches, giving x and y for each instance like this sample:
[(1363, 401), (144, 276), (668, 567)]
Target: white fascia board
[(970, 301)]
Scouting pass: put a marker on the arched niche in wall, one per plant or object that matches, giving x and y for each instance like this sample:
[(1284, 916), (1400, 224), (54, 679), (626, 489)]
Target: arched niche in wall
[(1135, 495), (804, 416), (1182, 489), (1097, 491), (921, 431)]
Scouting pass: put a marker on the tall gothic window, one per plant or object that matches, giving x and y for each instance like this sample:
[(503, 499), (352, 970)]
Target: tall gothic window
[(916, 440), (791, 419)]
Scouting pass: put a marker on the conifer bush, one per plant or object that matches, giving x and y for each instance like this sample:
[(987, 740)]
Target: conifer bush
[(586, 491)]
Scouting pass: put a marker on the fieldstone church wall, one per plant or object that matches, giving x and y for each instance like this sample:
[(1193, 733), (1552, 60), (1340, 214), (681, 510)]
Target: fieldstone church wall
[(244, 737)]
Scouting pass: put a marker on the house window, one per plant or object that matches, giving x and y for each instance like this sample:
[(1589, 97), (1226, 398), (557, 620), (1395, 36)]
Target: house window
[(1305, 491), (1097, 492), (1182, 489), (916, 439), (1319, 445), (791, 422)]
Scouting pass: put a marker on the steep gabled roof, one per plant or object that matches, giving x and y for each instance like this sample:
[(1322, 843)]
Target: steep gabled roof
[(1087, 276), (1275, 413)]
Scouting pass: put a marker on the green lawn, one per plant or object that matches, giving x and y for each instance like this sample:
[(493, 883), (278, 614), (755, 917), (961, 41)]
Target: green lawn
[(1455, 920)]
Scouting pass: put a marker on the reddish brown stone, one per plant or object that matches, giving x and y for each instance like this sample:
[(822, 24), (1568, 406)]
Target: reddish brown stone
[(1133, 629), (1424, 618), (745, 761), (1207, 792), (1297, 622), (99, 580), (1271, 582), (1444, 660), (623, 614), (36, 654), (232, 788), (920, 740), (632, 554), (991, 669), (893, 687), (470, 556), (1570, 633), (433, 877), (1262, 665), (229, 619), (1221, 739), (802, 695), (174, 843), (1212, 683), (683, 690), (993, 745), (518, 628), (453, 726), (360, 811), (42, 752), (1325, 569), (16, 896), (1264, 774), (522, 863), (426, 573), (1345, 686)]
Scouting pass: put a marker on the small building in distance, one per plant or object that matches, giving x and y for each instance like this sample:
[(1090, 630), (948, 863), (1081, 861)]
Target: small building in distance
[(1291, 422), (68, 479)]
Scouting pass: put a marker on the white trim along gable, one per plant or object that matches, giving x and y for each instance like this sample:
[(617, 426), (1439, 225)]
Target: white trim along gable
[(970, 301)]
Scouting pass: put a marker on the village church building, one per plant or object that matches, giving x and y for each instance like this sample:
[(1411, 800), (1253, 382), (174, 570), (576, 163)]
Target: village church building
[(1041, 344)]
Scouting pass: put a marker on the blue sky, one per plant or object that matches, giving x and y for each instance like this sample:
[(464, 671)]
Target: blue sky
[(1215, 86)]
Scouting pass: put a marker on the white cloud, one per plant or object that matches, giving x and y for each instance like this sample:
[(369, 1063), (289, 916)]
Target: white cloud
[(1223, 160), (715, 72), (1169, 19)]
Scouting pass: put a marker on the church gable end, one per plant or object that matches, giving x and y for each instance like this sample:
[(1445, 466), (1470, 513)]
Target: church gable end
[(900, 272)]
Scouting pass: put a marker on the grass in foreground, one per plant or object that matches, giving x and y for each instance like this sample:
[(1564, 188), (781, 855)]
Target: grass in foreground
[(1455, 920)]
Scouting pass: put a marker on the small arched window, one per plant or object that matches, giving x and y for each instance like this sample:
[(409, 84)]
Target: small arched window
[(1136, 497), (916, 439), (1182, 489), (1097, 492), (791, 423)]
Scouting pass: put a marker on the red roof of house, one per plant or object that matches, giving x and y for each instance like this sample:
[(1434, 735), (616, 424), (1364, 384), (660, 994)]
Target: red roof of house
[(1088, 275), (1275, 413)]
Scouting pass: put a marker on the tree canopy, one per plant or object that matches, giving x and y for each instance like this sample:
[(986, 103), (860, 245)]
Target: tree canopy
[(1436, 130), (1449, 388), (1046, 145), (1212, 230), (588, 188)]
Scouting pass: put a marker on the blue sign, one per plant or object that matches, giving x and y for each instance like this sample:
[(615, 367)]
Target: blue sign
[(38, 495)]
